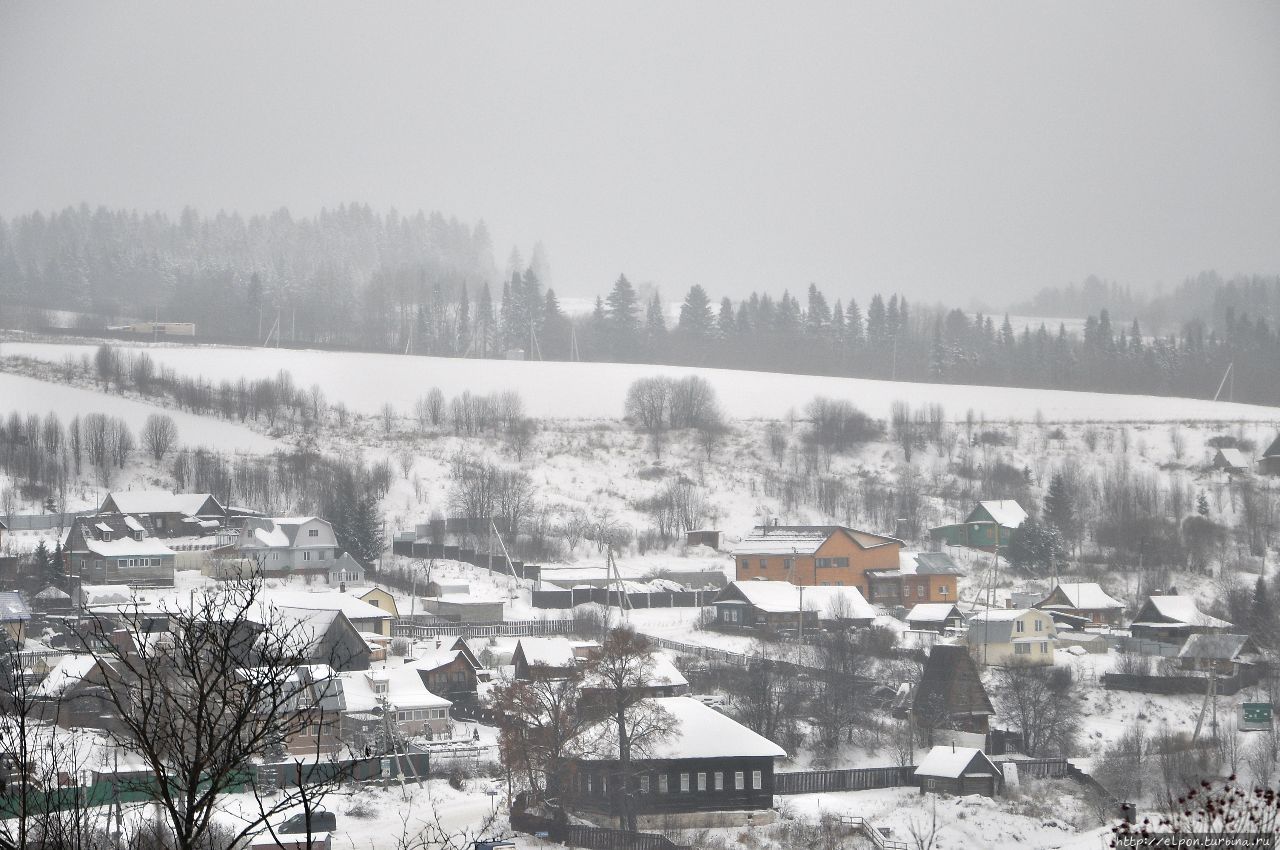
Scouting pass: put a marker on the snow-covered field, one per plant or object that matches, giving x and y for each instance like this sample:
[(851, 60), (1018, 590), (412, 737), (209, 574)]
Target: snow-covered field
[(597, 390), (28, 395)]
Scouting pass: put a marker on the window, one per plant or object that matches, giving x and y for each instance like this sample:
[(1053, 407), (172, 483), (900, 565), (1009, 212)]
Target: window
[(764, 563), (1039, 627), (719, 780), (787, 563), (137, 535), (745, 563), (920, 591), (841, 562), (155, 562), (644, 784), (106, 536), (324, 554), (306, 556), (702, 782), (684, 783), (313, 532), (943, 591), (739, 781), (757, 780), (730, 615), (1022, 649), (589, 783), (1019, 626), (1044, 647), (824, 562), (662, 783), (931, 785)]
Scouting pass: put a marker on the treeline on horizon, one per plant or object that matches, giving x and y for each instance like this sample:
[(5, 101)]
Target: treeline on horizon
[(426, 284)]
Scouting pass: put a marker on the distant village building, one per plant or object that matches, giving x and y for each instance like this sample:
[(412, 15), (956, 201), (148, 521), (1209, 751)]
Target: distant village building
[(920, 577), (935, 617), (288, 545), (816, 555), (761, 604), (1231, 460), (1269, 463), (950, 694), (118, 549), (550, 658), (393, 700), (14, 616), (990, 526), (1174, 619), (958, 771), (1219, 654), (1086, 600), (1003, 637), (710, 763)]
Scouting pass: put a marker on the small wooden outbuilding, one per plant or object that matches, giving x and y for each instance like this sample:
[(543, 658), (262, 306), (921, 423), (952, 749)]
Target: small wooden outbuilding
[(958, 770)]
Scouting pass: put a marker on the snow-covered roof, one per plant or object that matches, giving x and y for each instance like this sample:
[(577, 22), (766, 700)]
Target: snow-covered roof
[(780, 597), (433, 660), (802, 539), (52, 592), (326, 600), (698, 732), (947, 761), (931, 612), (13, 607), (159, 502), (547, 651), (1233, 457), (127, 547), (405, 690), (997, 615), (1213, 647), (1086, 596), (105, 594), (925, 563), (70, 670), (1006, 512), (662, 674), (1183, 609), (133, 523)]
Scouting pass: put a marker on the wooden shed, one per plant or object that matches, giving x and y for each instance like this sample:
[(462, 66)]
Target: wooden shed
[(959, 771)]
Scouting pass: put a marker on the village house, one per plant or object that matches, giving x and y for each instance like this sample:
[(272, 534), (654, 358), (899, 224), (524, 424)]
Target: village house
[(1004, 637), (958, 771), (709, 764), (316, 701), (170, 514), (275, 546), (323, 636), (761, 604), (990, 526), (1269, 463), (363, 616), (1231, 460), (817, 555), (450, 673), (117, 549), (920, 577), (550, 657), (381, 598), (950, 694), (73, 695), (1219, 654), (395, 697), (1173, 619), (1086, 600), (662, 679), (935, 617)]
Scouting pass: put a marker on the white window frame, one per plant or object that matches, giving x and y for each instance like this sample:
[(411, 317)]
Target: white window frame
[(664, 783), (702, 781), (684, 783), (719, 780), (739, 780), (757, 780)]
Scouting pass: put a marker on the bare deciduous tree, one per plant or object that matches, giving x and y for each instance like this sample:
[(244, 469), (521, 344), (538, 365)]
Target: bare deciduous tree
[(159, 435)]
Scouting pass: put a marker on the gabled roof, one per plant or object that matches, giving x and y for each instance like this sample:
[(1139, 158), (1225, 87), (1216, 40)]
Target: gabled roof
[(1177, 609), (328, 600), (698, 732), (1273, 450), (405, 690), (161, 502), (1006, 512), (52, 592), (13, 608), (1214, 647), (781, 597), (934, 612), (997, 626), (1233, 457), (661, 674), (951, 683), (804, 539), (1081, 596), (952, 762), (547, 651), (68, 672)]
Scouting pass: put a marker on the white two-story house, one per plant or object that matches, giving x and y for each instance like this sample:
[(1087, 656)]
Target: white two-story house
[(1005, 637), (285, 545)]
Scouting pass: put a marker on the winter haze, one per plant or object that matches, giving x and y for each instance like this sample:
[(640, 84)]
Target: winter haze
[(976, 151)]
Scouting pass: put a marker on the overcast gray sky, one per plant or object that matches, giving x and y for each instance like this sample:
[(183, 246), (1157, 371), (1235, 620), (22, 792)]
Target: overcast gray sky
[(945, 150)]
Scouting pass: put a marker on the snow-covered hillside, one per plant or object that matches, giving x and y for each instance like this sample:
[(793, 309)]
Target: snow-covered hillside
[(28, 395), (597, 390)]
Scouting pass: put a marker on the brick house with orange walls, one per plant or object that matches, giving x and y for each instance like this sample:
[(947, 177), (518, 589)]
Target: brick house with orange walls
[(815, 555)]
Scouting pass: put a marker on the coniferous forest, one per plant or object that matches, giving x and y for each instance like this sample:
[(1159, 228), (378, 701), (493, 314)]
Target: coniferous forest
[(426, 284)]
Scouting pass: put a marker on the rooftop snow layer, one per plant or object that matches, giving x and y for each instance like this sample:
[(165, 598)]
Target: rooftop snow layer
[(1006, 512), (698, 732)]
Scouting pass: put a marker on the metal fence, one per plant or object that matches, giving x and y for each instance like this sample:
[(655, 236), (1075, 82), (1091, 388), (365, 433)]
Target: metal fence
[(607, 596)]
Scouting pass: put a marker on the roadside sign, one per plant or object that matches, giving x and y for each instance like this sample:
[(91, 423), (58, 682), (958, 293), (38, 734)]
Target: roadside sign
[(1255, 716)]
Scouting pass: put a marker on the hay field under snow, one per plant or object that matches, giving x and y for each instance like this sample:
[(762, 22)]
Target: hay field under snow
[(597, 390)]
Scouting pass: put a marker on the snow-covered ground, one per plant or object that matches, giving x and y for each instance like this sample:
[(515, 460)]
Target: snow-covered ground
[(597, 390)]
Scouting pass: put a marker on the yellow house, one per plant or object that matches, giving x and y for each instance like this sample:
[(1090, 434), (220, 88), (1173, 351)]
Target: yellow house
[(379, 598), (1003, 637)]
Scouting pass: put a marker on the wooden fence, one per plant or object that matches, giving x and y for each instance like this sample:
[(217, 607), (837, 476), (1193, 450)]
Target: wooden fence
[(1227, 685), (855, 779), (605, 596), (510, 628), (591, 837)]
